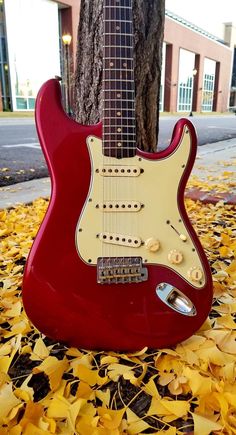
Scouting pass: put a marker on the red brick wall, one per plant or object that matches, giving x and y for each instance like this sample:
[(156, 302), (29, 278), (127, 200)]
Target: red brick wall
[(70, 20), (180, 36)]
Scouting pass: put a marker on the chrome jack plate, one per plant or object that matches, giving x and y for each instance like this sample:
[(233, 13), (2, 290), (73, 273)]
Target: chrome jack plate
[(175, 299)]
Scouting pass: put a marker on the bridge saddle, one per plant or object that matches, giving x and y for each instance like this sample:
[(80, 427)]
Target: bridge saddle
[(120, 270)]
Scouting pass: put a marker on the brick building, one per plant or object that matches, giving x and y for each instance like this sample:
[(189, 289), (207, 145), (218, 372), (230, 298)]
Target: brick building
[(196, 72)]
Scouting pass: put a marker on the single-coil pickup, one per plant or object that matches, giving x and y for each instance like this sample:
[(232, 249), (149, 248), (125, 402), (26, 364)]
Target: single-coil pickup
[(120, 239), (119, 171), (119, 206)]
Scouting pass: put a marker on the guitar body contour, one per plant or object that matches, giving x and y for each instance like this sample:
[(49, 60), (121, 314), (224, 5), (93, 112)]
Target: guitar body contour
[(65, 294)]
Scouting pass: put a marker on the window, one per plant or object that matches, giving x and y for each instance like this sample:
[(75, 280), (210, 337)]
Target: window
[(185, 84), (208, 85)]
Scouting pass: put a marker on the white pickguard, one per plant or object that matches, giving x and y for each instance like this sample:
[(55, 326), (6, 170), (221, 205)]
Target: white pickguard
[(156, 188)]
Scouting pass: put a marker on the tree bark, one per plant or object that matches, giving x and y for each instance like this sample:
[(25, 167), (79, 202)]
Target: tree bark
[(148, 25)]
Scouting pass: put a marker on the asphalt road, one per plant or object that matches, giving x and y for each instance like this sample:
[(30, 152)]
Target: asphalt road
[(21, 157)]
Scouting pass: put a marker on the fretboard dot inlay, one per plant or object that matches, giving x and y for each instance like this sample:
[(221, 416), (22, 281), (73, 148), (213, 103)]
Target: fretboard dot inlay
[(119, 144), (117, 27), (119, 113), (119, 130), (125, 65), (111, 64), (118, 95)]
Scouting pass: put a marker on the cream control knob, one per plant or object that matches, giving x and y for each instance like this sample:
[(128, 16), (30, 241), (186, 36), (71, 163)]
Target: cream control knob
[(152, 244), (175, 257), (195, 274)]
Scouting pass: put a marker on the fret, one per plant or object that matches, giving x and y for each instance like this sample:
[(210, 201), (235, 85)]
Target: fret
[(118, 85), (118, 63), (119, 13), (119, 113), (118, 119), (116, 51), (118, 7), (122, 3), (120, 58), (121, 147), (119, 34), (118, 100), (111, 105), (117, 20), (119, 140), (119, 134), (115, 80), (118, 69), (118, 94), (118, 27), (126, 129), (117, 46)]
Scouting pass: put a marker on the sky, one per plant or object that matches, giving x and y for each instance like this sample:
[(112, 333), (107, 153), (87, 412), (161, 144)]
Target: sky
[(208, 14)]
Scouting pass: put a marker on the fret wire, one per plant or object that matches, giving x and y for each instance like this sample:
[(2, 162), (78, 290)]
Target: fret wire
[(116, 21), (118, 7), (117, 80), (118, 69), (118, 101), (119, 34), (118, 58), (118, 46), (118, 90)]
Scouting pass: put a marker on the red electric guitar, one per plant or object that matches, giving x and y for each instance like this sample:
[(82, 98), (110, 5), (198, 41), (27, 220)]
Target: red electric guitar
[(116, 263)]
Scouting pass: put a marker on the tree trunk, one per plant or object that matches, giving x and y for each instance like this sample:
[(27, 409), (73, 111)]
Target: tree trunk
[(148, 24)]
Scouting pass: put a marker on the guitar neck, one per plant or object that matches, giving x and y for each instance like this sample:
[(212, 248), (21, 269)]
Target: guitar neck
[(119, 138)]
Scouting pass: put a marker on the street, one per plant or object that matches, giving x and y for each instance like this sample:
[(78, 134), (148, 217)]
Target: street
[(21, 157)]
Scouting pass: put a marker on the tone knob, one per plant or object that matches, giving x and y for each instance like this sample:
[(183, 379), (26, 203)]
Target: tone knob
[(175, 257), (195, 274), (152, 244)]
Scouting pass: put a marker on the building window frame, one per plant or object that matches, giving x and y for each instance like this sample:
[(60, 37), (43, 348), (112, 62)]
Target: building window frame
[(185, 86), (208, 87)]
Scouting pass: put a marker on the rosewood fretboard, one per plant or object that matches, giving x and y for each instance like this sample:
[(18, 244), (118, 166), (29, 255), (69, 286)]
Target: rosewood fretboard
[(118, 80)]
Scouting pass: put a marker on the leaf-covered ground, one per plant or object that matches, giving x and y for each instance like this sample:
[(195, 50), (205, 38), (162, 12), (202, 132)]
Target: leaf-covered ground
[(46, 388)]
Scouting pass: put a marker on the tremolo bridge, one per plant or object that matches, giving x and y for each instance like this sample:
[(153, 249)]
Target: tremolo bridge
[(120, 270)]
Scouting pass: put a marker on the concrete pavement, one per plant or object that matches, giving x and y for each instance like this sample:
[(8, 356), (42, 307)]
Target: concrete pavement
[(215, 165)]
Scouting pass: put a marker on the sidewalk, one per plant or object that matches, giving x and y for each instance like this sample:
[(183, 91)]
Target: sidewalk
[(213, 179)]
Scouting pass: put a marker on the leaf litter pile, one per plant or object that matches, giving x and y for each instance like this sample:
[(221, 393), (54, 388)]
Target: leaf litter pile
[(47, 388)]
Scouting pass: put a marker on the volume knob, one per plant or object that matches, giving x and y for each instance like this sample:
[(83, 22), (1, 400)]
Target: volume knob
[(152, 244), (175, 257), (195, 274)]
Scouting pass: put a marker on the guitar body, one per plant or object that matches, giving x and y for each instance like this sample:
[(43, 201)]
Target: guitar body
[(116, 263)]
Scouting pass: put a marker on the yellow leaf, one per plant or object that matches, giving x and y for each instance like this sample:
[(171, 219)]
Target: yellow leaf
[(110, 419), (8, 400), (204, 426), (58, 407), (54, 368), (91, 377), (31, 429), (108, 359), (40, 349), (200, 385), (135, 424), (32, 414)]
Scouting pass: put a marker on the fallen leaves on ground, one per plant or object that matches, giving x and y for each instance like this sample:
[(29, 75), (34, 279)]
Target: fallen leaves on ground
[(46, 388)]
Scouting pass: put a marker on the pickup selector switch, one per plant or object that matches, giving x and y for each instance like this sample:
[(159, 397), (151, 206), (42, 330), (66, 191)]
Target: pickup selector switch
[(152, 245), (175, 257)]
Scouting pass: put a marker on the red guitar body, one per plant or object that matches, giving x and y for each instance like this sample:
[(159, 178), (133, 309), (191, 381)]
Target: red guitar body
[(61, 294)]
